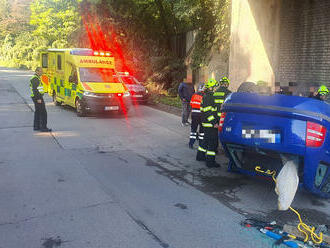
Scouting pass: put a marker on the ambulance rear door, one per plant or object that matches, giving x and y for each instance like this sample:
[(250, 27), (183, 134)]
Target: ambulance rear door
[(59, 76), (45, 73), (51, 72)]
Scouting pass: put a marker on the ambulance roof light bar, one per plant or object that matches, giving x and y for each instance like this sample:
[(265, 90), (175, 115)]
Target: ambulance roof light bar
[(102, 53), (89, 52)]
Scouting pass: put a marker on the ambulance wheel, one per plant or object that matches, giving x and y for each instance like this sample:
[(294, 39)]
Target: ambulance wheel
[(54, 100), (81, 112)]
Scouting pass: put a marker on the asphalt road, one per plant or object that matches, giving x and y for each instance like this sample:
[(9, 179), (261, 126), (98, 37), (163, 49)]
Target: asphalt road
[(122, 181)]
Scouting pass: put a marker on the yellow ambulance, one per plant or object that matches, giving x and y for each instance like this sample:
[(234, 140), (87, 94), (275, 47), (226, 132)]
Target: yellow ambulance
[(84, 79)]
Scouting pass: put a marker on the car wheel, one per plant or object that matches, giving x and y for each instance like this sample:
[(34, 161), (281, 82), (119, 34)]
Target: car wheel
[(81, 112), (249, 87), (54, 100)]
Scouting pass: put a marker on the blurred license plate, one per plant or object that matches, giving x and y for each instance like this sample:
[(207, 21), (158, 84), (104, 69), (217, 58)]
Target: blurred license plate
[(111, 108), (262, 135), (137, 95)]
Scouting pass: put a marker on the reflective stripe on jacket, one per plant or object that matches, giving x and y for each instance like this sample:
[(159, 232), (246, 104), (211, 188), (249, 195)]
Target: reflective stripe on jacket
[(195, 102), (209, 110), (36, 86), (219, 97)]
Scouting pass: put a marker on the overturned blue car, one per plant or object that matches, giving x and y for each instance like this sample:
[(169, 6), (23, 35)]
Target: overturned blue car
[(257, 131)]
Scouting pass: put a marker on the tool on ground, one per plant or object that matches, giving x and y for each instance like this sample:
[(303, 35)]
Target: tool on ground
[(279, 237), (308, 231)]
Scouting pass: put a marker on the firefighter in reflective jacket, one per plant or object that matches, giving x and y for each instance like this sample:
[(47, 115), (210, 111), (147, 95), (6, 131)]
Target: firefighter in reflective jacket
[(207, 148), (37, 92), (220, 95), (196, 122)]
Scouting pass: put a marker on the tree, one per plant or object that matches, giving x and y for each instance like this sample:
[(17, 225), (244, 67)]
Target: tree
[(56, 21)]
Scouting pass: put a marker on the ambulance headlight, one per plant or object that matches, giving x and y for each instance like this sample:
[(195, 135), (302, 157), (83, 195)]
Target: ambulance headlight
[(90, 94), (127, 94)]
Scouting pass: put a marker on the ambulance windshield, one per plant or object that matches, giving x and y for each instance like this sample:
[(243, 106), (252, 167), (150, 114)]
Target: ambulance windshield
[(98, 75)]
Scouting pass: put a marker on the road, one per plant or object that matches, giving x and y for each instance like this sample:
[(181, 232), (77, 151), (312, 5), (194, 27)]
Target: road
[(122, 181)]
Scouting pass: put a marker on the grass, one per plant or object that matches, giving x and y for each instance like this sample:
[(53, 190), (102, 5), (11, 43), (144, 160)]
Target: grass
[(167, 100)]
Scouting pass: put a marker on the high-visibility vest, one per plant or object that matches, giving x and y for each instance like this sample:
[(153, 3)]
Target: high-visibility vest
[(195, 102), (40, 87), (219, 97), (209, 110)]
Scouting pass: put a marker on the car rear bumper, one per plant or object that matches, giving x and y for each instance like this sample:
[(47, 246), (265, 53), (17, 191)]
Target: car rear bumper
[(139, 96), (313, 168)]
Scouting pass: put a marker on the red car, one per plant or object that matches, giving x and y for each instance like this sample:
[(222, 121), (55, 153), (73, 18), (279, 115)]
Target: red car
[(138, 92)]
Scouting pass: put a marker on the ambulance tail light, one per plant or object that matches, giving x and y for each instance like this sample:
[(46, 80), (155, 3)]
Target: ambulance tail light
[(222, 120), (315, 134)]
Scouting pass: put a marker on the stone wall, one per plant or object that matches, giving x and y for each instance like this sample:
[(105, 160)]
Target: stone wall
[(304, 45)]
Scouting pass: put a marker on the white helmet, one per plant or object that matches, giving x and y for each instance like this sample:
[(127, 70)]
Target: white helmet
[(200, 87)]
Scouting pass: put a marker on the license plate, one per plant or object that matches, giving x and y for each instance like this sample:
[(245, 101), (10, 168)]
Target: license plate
[(137, 95), (111, 108), (262, 135)]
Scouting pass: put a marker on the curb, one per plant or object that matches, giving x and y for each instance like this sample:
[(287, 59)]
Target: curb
[(166, 108)]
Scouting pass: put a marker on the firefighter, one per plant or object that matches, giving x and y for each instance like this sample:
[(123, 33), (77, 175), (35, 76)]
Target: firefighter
[(207, 148), (37, 92), (322, 93), (196, 123)]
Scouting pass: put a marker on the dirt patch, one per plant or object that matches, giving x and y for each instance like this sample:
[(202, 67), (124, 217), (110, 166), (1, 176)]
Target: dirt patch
[(181, 205), (50, 242)]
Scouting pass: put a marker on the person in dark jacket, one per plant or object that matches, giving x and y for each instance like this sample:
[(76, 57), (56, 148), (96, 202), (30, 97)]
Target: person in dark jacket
[(185, 91), (210, 122), (37, 92)]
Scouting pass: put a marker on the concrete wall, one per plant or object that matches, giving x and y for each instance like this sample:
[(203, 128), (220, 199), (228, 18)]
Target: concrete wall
[(255, 41)]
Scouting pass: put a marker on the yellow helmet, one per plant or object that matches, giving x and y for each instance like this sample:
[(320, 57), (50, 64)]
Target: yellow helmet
[(323, 90), (211, 83), (224, 81)]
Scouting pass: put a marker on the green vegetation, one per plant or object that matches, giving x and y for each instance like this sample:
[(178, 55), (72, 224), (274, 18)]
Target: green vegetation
[(167, 100), (145, 35)]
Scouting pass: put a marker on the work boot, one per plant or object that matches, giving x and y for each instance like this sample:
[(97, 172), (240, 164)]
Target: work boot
[(46, 130), (200, 157), (212, 164)]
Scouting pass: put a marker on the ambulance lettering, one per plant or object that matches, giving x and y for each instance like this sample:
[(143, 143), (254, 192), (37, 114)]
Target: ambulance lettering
[(92, 61)]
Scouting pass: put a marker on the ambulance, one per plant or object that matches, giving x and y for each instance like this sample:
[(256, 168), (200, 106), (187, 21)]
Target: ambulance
[(84, 79)]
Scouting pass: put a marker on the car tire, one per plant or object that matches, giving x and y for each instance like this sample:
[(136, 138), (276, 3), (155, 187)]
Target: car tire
[(81, 112), (249, 87)]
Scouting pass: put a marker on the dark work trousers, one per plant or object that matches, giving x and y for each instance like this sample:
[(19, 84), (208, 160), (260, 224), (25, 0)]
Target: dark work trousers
[(40, 114), (211, 142), (196, 123), (185, 111), (207, 148)]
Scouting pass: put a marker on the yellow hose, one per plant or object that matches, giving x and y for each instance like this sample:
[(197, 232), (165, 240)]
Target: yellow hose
[(309, 232)]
